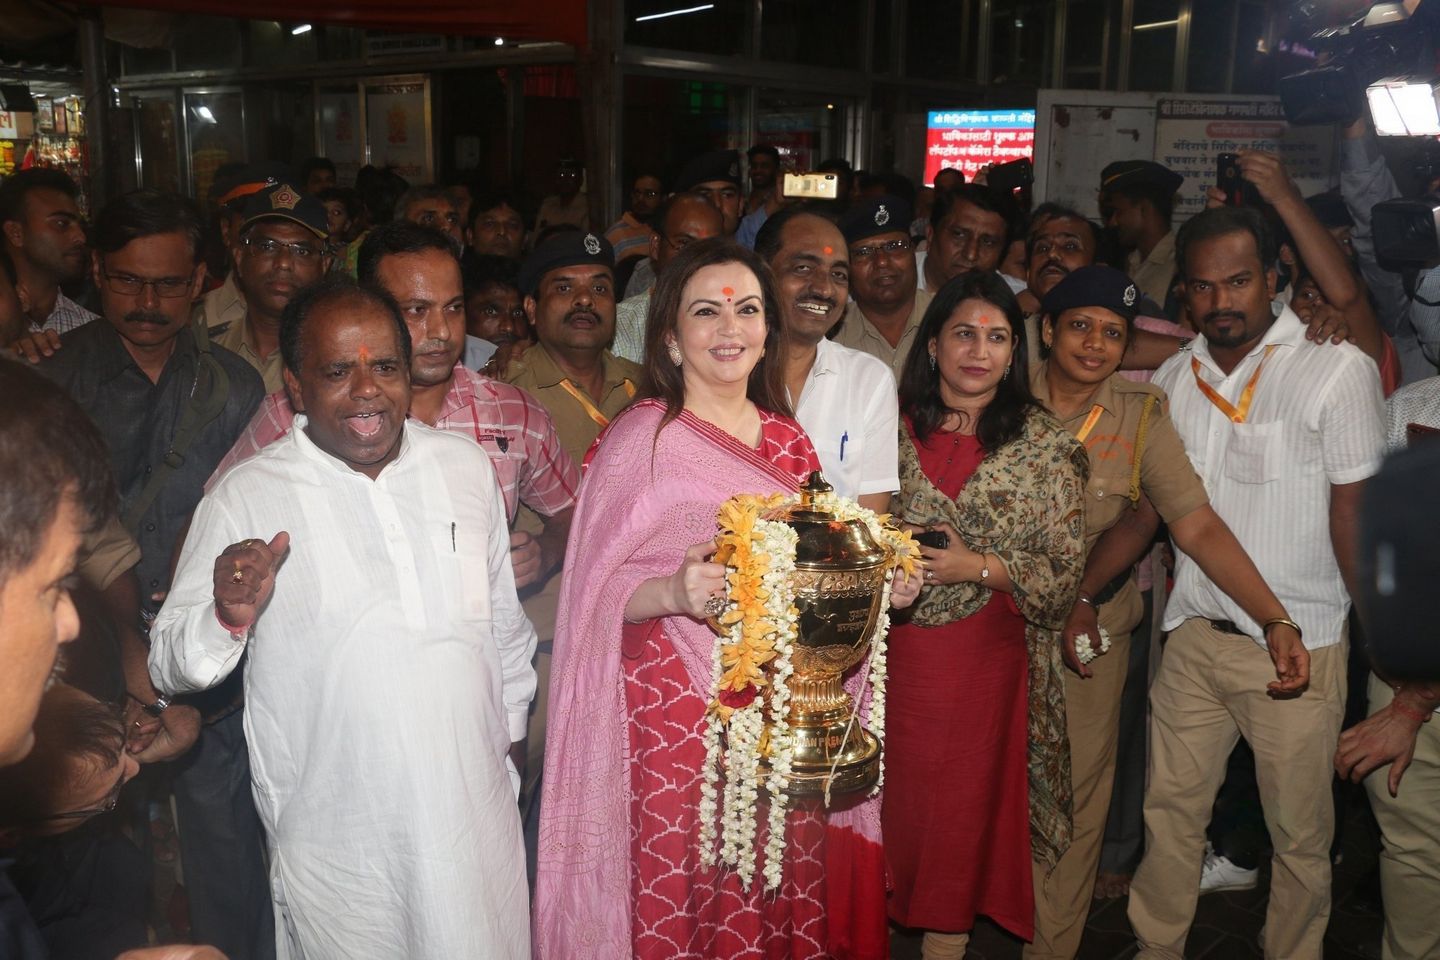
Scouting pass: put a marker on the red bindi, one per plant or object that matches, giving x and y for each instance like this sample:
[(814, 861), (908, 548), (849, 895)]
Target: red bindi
[(728, 291)]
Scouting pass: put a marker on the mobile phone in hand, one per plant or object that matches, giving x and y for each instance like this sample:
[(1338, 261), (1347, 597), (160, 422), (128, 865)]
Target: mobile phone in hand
[(1229, 179), (935, 539)]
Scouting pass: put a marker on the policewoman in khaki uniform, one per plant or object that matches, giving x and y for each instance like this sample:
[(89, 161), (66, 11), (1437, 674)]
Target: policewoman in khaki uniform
[(1139, 474)]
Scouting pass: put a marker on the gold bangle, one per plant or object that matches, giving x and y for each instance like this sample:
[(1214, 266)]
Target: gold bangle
[(1265, 627)]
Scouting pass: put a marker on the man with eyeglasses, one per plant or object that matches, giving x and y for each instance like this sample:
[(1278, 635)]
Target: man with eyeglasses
[(169, 404), (886, 306), (282, 248), (970, 228), (630, 235), (681, 220)]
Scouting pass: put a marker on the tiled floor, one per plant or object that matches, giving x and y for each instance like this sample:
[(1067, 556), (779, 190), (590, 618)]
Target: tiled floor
[(1227, 925)]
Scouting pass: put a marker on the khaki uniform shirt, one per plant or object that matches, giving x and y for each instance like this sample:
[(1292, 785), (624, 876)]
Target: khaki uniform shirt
[(106, 553), (1165, 473), (542, 378), (235, 337), (538, 374), (1155, 273), (224, 304), (859, 333)]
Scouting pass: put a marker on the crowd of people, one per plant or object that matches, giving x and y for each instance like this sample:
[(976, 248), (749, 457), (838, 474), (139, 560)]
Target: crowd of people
[(239, 442)]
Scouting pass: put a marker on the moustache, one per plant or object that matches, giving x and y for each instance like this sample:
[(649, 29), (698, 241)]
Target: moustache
[(582, 312), (147, 316), (1215, 315)]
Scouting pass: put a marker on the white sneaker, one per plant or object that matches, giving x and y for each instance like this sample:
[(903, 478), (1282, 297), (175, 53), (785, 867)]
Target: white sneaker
[(1219, 873)]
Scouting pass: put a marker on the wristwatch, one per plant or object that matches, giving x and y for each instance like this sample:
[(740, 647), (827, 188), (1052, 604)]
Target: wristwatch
[(161, 704)]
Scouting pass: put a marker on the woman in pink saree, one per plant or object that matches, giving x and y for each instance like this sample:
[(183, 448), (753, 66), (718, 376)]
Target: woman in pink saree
[(620, 873)]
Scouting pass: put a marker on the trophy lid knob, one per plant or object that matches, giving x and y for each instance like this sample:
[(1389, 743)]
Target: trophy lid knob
[(814, 486)]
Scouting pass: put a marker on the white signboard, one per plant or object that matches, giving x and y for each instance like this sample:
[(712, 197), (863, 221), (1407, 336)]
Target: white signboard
[(1191, 132)]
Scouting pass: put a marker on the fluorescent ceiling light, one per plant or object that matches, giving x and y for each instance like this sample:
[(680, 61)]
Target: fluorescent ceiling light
[(1157, 25), (675, 13), (301, 28), (1402, 107)]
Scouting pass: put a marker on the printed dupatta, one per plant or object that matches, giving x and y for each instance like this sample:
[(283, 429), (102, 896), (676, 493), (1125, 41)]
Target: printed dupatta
[(1024, 504)]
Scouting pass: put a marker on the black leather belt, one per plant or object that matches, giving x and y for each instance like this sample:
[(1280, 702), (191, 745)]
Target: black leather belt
[(1228, 626)]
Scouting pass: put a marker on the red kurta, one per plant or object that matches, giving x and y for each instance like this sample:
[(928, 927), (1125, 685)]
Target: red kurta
[(956, 803)]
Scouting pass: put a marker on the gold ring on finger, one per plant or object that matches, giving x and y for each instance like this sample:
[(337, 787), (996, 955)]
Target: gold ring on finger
[(238, 576)]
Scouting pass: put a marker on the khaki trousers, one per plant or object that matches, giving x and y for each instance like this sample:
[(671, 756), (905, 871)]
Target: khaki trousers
[(1209, 691), (1092, 718), (1410, 843)]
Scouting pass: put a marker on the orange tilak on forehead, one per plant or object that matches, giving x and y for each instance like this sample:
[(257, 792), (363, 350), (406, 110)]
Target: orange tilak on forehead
[(829, 250), (729, 292), (364, 354)]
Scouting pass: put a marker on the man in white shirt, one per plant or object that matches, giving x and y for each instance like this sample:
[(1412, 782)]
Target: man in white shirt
[(1284, 432), (389, 660), (843, 398)]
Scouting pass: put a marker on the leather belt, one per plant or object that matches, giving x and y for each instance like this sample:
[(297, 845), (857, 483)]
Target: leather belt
[(1227, 626)]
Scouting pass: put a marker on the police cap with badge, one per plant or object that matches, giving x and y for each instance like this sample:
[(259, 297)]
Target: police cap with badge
[(875, 216), (283, 202), (564, 249), (1094, 286)]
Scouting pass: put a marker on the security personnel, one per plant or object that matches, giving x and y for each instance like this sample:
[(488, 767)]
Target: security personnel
[(1137, 198), (886, 304), (569, 287), (1139, 474)]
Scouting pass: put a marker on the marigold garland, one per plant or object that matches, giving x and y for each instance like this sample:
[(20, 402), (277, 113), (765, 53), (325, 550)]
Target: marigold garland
[(751, 673)]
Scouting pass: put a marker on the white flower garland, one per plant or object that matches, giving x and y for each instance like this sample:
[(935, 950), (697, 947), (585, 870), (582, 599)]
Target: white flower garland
[(759, 729)]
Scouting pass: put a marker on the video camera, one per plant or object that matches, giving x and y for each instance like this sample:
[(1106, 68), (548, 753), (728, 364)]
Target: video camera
[(1382, 61), (1381, 45)]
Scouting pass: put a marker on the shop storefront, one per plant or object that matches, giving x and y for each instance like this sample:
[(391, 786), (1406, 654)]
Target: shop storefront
[(630, 86)]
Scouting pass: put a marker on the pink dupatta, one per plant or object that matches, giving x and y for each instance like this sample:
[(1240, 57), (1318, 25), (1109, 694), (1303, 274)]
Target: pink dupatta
[(644, 500)]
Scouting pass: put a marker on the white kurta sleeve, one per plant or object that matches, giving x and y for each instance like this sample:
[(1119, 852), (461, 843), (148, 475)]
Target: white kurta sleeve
[(189, 649), (513, 634)]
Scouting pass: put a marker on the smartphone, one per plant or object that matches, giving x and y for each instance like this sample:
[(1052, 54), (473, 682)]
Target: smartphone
[(1009, 177), (1229, 180), (811, 186), (936, 539)]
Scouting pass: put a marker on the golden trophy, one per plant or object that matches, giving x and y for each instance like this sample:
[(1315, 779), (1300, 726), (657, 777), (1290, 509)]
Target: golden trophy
[(838, 581)]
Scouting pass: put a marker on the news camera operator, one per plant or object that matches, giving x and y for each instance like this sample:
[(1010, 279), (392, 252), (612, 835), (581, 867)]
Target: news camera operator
[(1411, 322)]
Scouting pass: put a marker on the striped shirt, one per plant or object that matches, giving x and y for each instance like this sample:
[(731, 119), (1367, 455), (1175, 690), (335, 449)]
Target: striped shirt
[(1316, 420), (511, 427)]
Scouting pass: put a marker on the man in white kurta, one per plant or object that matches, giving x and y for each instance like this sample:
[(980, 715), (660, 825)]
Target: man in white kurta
[(386, 679)]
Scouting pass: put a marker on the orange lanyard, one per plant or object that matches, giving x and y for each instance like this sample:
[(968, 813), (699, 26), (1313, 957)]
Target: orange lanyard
[(1090, 422), (1236, 414), (590, 408)]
